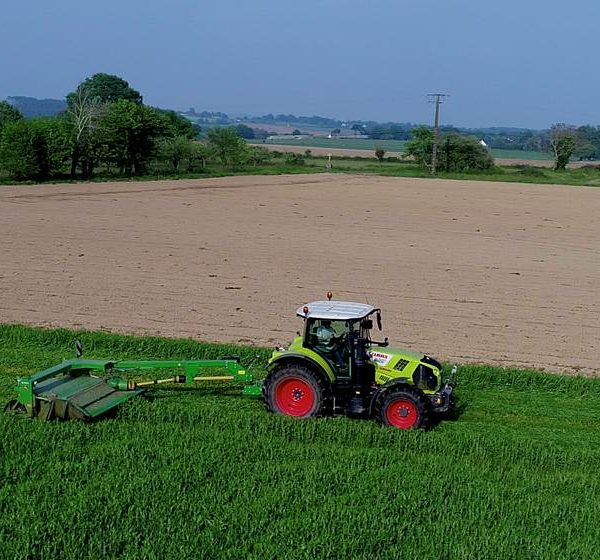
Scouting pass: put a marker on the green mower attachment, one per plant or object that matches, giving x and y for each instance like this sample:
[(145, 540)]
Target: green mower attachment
[(88, 389)]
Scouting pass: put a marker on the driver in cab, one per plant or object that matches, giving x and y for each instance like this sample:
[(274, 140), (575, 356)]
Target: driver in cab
[(326, 337)]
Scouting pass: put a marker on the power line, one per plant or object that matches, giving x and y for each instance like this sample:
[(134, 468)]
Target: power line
[(438, 99)]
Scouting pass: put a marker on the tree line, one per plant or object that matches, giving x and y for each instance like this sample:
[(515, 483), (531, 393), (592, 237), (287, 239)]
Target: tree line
[(107, 128), (582, 143), (458, 153)]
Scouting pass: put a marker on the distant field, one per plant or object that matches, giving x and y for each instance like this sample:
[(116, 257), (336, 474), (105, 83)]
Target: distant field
[(520, 154), (342, 143), (390, 146)]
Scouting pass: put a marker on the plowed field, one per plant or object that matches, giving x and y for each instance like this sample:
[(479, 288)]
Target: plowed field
[(468, 271)]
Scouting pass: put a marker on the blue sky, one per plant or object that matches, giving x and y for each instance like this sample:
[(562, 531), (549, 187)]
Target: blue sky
[(510, 63)]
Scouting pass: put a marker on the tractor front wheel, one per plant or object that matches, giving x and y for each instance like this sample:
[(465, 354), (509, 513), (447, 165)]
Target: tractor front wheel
[(294, 390), (404, 408)]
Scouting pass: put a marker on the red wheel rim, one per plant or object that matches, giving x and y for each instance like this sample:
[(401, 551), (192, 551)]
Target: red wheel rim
[(402, 414), (294, 396)]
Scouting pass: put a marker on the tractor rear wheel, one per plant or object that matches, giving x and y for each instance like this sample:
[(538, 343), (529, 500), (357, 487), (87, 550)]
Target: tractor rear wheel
[(295, 390), (404, 408)]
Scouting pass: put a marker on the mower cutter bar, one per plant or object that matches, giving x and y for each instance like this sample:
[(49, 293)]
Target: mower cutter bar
[(87, 389)]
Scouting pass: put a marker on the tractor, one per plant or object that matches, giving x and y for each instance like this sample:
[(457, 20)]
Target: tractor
[(335, 367)]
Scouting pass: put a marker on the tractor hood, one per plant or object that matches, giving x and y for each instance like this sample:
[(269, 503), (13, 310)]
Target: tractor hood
[(389, 357), (399, 364)]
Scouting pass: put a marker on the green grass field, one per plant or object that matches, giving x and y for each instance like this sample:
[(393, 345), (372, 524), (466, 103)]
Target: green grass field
[(210, 474), (521, 154)]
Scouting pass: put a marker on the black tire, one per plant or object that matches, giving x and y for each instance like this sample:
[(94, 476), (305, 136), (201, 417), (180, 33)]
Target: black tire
[(403, 407), (296, 390)]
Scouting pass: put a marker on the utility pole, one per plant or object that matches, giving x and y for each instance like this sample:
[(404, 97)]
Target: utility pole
[(438, 99)]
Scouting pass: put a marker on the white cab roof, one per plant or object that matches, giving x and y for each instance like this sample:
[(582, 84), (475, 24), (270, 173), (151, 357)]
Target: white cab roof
[(336, 310)]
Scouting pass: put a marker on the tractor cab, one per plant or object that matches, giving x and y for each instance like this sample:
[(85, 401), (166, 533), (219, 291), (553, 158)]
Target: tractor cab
[(339, 331)]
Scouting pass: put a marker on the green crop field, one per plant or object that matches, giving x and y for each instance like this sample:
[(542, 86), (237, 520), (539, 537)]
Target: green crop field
[(209, 474), (341, 143), (521, 154), (390, 146)]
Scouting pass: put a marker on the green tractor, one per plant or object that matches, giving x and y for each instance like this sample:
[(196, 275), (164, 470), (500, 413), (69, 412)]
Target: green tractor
[(335, 367)]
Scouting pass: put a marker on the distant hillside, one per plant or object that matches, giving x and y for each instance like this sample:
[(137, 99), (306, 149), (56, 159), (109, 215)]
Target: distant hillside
[(32, 107)]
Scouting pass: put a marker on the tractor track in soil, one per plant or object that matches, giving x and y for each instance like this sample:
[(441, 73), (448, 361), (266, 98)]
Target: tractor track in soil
[(471, 271)]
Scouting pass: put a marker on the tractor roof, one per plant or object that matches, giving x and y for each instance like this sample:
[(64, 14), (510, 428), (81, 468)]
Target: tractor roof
[(336, 310)]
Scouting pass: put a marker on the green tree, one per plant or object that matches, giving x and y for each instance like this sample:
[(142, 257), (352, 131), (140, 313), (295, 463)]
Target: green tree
[(245, 131), (586, 152), (85, 108), (8, 114), (357, 128), (107, 88), (379, 153), (588, 136), (84, 113), (420, 147), (34, 149), (177, 125), (563, 142), (257, 155), (199, 155), (56, 144), (129, 133), (175, 150), (455, 153), (459, 153), (21, 150), (228, 147)]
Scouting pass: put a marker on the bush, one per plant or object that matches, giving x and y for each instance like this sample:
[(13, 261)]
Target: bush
[(257, 155), (458, 153), (20, 148), (294, 159), (530, 171), (228, 147), (175, 150), (34, 149)]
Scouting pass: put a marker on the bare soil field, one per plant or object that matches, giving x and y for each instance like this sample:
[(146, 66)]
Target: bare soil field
[(468, 271), (284, 129)]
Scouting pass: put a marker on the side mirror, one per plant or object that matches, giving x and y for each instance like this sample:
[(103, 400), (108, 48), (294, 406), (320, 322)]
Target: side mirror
[(379, 320)]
